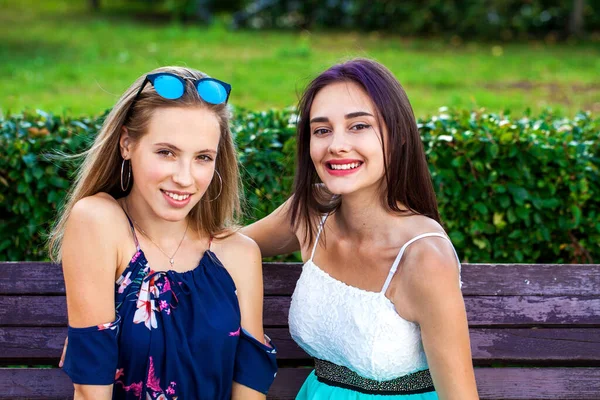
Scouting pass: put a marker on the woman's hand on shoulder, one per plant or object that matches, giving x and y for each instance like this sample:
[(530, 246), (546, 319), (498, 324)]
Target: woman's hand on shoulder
[(90, 259), (273, 233), (242, 259), (430, 280)]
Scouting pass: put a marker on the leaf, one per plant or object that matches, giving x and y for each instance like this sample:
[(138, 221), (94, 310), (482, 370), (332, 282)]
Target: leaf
[(499, 220), (29, 160), (457, 237), (481, 208), (22, 187), (58, 182), (504, 201), (480, 243), (576, 211), (519, 194), (510, 215), (519, 256), (522, 212)]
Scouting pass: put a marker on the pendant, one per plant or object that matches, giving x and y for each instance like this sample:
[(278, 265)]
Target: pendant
[(172, 261)]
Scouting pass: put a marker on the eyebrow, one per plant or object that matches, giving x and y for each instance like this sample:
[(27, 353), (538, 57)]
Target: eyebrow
[(347, 116), (175, 148)]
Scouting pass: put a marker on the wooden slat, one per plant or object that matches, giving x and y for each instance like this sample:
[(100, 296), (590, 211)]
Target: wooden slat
[(490, 310), (481, 310), (531, 279), (24, 345), (31, 277), (538, 383), (280, 279), (552, 346), (483, 279), (33, 311), (287, 383), (556, 346), (533, 310), (492, 383), (34, 383)]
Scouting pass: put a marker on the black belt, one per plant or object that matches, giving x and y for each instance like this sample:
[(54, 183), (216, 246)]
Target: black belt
[(337, 375)]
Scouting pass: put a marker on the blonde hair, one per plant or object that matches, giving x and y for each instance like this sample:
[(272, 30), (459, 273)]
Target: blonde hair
[(100, 170)]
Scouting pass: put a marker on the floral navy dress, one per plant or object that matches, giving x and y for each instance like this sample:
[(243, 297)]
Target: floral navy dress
[(176, 336)]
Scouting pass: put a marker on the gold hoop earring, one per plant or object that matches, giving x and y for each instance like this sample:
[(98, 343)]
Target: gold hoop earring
[(220, 188), (125, 187)]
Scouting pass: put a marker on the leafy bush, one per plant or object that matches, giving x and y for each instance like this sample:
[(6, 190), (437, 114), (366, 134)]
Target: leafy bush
[(491, 19), (509, 189), (266, 150), (517, 190)]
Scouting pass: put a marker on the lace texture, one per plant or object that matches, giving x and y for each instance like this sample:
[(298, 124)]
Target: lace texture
[(352, 327), (355, 328)]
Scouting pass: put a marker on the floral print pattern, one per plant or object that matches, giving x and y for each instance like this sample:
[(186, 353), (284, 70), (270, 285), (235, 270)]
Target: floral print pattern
[(146, 305), (161, 354), (113, 326)]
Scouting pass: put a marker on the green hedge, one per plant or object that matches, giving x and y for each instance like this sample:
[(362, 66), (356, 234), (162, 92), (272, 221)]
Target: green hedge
[(491, 19), (510, 189)]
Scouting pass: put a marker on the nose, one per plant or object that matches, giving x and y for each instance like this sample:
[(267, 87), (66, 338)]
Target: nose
[(183, 174), (339, 143)]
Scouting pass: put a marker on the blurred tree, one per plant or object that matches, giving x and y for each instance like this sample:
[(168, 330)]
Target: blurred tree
[(488, 19), (576, 20)]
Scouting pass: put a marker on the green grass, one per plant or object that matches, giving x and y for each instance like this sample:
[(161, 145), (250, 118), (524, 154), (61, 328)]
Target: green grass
[(58, 56)]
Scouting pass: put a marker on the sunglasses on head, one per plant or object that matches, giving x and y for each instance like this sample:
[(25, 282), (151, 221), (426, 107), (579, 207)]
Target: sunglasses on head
[(172, 87)]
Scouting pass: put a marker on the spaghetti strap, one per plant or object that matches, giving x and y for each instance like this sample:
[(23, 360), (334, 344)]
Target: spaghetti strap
[(135, 239), (318, 235), (399, 257)]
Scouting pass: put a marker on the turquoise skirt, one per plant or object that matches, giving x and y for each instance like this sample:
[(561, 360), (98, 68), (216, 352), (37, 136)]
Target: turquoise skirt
[(312, 389)]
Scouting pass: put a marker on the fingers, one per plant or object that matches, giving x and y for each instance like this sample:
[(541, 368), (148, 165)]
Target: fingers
[(62, 357)]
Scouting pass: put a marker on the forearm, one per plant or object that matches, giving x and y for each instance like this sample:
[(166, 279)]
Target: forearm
[(241, 392), (274, 234), (93, 392), (271, 242)]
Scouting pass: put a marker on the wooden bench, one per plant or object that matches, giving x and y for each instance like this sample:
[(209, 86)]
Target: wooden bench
[(535, 330)]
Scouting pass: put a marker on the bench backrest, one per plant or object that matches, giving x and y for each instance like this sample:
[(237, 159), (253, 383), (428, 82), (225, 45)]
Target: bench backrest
[(535, 330)]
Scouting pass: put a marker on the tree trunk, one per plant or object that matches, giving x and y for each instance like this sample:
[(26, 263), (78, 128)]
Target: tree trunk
[(576, 20)]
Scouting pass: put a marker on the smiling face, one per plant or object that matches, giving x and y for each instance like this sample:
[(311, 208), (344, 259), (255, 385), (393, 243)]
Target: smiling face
[(174, 162), (345, 143)]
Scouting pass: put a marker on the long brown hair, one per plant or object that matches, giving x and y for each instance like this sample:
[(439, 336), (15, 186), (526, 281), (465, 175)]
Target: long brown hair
[(101, 167), (407, 176)]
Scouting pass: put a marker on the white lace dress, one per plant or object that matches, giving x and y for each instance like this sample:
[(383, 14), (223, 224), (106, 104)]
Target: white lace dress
[(362, 348)]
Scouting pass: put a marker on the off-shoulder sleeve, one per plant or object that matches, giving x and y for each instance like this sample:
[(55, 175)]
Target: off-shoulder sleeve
[(92, 354), (255, 363)]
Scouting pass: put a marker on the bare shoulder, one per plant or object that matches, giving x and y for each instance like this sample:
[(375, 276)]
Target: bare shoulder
[(95, 227), (430, 257), (239, 254), (430, 274), (237, 243), (96, 209), (429, 270), (90, 259), (416, 225)]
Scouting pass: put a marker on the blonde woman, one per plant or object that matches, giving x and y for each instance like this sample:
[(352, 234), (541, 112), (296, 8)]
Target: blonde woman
[(164, 298)]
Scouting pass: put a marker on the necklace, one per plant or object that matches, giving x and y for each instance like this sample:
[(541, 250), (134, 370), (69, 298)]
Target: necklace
[(171, 258)]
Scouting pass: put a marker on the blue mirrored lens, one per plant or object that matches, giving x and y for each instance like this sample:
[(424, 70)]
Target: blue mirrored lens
[(168, 87), (212, 92)]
